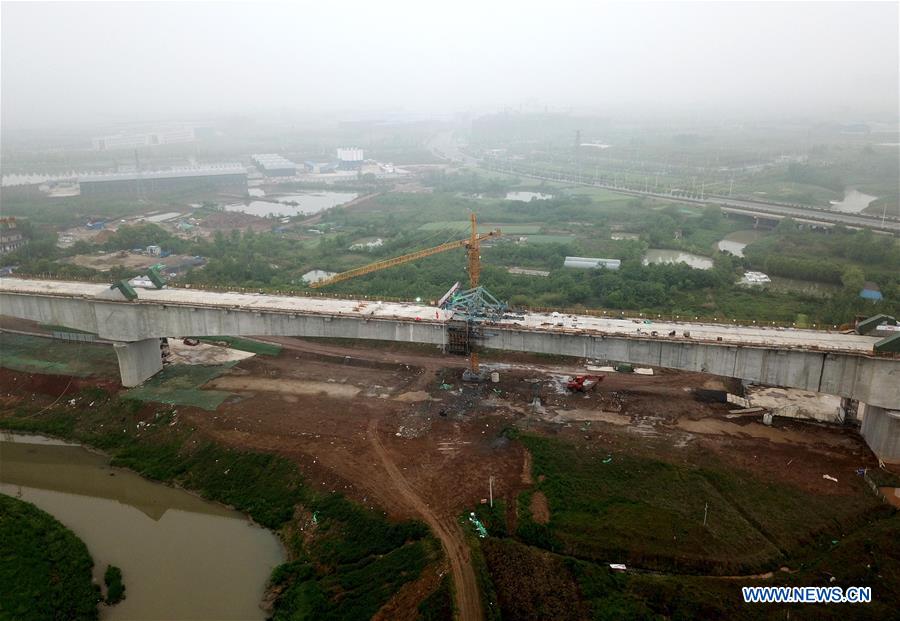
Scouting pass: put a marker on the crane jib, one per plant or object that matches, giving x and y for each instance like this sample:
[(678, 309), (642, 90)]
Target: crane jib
[(406, 258)]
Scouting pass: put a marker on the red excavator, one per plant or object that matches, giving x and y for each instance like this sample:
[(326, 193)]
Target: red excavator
[(584, 383)]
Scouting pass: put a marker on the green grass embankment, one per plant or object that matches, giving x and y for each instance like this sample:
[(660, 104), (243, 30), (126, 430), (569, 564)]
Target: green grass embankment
[(649, 513)]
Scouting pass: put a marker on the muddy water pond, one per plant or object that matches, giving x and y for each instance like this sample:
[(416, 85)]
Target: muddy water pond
[(294, 204), (181, 557)]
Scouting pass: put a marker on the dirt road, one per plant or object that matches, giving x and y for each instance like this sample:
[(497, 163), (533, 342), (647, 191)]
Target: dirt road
[(468, 601)]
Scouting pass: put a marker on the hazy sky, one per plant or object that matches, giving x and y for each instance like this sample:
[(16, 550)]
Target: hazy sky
[(111, 62)]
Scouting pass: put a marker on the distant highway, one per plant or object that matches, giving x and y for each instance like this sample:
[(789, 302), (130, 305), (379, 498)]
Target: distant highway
[(445, 146), (814, 215)]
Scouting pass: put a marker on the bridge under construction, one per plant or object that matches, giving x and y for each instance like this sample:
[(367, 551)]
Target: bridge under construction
[(819, 361)]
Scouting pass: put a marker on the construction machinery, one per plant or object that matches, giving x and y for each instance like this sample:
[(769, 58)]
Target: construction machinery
[(584, 383), (470, 307), (472, 245)]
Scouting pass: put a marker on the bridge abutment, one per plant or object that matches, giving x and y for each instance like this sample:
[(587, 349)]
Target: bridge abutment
[(138, 361)]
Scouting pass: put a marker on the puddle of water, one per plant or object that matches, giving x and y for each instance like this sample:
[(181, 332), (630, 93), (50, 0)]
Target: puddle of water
[(307, 204), (854, 201), (659, 256), (527, 196), (181, 556), (737, 241)]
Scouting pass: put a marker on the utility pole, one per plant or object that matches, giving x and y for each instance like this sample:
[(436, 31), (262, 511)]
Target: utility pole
[(705, 509), (491, 492)]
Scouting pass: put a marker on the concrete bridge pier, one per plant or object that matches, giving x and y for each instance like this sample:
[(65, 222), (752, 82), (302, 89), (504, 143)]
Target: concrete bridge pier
[(881, 429), (138, 361)]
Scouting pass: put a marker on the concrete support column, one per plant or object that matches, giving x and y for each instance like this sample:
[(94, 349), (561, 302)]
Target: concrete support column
[(881, 429), (138, 361)]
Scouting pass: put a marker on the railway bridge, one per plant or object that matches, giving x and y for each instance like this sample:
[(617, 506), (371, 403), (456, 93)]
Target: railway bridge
[(819, 361)]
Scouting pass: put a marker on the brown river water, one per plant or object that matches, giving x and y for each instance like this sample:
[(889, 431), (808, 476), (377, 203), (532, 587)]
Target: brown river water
[(181, 557)]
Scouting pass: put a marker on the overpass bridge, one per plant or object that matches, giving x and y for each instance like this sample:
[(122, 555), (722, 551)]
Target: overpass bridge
[(818, 361)]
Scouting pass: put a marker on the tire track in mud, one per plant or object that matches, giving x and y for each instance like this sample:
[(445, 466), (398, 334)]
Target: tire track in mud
[(466, 594)]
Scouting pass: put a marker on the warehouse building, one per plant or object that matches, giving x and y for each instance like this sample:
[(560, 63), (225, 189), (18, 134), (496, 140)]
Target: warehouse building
[(274, 165), (588, 263), (225, 177)]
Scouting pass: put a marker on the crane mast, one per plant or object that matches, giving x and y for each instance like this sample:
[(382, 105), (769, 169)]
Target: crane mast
[(474, 252)]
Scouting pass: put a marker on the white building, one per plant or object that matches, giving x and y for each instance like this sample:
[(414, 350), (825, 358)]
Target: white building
[(369, 245), (587, 263), (350, 155)]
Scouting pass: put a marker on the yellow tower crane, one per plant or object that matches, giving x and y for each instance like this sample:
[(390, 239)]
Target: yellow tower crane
[(472, 245), (473, 253)]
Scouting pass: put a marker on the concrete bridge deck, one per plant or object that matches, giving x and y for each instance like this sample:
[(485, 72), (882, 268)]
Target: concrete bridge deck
[(784, 338), (818, 361)]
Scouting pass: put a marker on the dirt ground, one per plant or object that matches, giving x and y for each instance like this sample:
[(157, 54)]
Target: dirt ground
[(108, 260), (398, 430)]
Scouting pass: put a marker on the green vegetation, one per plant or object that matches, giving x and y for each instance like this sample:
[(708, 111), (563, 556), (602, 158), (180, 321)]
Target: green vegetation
[(45, 570), (649, 513), (463, 227), (830, 258), (574, 588), (356, 561), (640, 511), (490, 603), (34, 354), (576, 221), (346, 561), (115, 589)]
